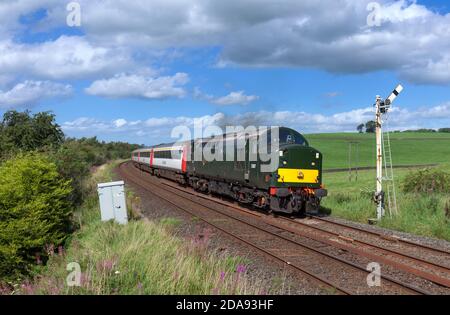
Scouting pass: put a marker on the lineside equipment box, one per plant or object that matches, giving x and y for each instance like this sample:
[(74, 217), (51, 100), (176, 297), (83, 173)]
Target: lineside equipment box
[(112, 201)]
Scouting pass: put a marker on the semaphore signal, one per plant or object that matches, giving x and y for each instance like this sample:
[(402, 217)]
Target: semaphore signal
[(383, 149)]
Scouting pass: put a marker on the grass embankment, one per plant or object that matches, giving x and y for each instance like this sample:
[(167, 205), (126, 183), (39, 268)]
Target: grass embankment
[(142, 257), (407, 148), (419, 213)]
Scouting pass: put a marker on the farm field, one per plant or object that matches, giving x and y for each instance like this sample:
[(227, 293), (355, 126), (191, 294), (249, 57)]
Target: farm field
[(422, 214), (407, 148)]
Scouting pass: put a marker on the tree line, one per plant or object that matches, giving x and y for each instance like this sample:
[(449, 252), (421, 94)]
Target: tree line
[(42, 174), (370, 126)]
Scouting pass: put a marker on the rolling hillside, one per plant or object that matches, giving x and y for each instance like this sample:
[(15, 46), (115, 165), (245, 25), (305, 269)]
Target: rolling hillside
[(407, 148)]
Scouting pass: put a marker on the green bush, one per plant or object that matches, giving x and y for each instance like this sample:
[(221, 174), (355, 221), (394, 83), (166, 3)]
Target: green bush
[(35, 211), (72, 164), (427, 181)]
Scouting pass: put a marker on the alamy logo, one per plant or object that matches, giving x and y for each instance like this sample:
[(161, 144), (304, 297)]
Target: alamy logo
[(74, 17), (236, 143), (74, 277), (374, 17), (374, 277)]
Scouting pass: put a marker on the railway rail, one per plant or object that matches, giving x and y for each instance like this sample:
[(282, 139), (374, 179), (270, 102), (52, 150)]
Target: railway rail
[(268, 235), (396, 252), (435, 272)]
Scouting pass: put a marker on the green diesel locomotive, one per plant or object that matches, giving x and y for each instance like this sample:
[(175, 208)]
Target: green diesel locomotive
[(290, 181)]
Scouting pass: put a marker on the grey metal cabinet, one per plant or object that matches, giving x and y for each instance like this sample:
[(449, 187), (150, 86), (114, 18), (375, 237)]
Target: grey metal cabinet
[(113, 202)]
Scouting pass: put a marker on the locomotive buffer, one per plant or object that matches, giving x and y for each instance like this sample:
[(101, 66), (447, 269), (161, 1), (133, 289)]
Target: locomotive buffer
[(382, 107)]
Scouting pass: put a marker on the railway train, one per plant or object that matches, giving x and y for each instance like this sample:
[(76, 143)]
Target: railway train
[(294, 187)]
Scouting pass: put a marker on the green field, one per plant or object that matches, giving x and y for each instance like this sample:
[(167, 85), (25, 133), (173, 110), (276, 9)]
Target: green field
[(423, 214), (406, 147)]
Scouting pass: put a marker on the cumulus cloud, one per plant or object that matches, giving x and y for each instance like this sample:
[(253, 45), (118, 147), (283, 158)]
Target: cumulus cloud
[(28, 93), (331, 35), (233, 98), (12, 10), (120, 122), (140, 86), (68, 57), (159, 129)]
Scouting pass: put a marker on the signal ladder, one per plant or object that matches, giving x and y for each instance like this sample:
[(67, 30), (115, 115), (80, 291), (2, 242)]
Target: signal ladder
[(388, 177)]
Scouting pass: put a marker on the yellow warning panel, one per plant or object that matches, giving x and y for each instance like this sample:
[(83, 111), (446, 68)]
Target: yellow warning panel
[(294, 175)]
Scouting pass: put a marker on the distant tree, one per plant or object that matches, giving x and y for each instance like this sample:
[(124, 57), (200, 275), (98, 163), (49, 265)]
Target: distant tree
[(360, 128), (370, 126), (444, 130), (420, 130)]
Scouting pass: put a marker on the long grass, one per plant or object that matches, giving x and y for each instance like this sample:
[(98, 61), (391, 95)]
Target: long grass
[(141, 257), (422, 214)]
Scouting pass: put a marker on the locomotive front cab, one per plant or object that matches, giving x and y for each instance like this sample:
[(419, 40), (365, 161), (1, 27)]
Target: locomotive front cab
[(296, 185)]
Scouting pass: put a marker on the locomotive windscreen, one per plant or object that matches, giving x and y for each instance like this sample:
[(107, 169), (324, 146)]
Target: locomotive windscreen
[(288, 136)]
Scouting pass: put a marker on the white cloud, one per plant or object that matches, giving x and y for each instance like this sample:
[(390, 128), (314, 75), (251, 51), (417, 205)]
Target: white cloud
[(437, 112), (332, 35), (158, 130), (88, 124), (12, 10), (28, 93), (68, 57), (124, 85), (233, 98), (120, 122)]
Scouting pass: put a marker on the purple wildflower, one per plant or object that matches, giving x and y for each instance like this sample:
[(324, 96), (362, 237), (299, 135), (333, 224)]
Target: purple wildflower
[(105, 265), (5, 290), (222, 275), (241, 269), (84, 279), (27, 288)]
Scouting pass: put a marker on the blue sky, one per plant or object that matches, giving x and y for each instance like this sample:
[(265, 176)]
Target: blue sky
[(133, 71)]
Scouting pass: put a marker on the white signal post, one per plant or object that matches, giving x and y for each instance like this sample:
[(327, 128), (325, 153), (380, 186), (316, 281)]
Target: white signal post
[(382, 106), (379, 198)]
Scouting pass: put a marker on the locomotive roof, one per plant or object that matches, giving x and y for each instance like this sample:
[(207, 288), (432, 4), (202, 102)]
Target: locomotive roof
[(224, 137)]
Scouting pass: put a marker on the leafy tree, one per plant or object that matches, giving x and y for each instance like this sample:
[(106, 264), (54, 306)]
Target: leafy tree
[(75, 157), (360, 128), (370, 126), (72, 164), (21, 131), (34, 210), (444, 130)]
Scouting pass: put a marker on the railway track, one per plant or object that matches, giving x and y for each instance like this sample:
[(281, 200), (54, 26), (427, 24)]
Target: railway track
[(268, 235), (429, 249), (393, 252), (427, 269)]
